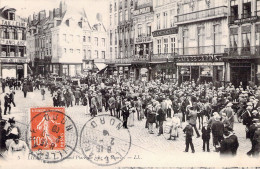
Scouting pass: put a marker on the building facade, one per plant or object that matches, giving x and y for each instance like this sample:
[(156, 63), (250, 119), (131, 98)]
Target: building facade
[(143, 21), (165, 40), (202, 38), (244, 42), (121, 38), (13, 59), (63, 42)]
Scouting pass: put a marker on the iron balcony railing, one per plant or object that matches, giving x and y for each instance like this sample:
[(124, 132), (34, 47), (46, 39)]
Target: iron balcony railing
[(141, 58), (243, 51), (215, 49), (202, 14)]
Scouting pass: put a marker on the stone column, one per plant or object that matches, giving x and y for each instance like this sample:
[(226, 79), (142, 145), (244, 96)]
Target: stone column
[(25, 70)]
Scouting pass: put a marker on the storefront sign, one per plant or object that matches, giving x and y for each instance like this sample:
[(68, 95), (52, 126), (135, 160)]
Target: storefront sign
[(144, 39), (13, 42), (201, 64), (165, 32), (246, 20), (14, 60), (143, 11), (12, 23)]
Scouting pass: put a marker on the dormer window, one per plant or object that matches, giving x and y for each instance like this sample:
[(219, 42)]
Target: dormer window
[(11, 16)]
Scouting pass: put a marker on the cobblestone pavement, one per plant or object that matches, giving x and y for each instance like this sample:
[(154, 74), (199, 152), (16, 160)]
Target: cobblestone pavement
[(146, 149)]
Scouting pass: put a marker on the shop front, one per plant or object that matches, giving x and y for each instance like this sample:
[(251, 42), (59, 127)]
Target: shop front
[(242, 72), (165, 72), (71, 70), (13, 68), (201, 72)]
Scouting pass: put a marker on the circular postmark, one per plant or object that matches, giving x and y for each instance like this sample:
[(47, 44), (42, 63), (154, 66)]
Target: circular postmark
[(104, 141), (51, 135)]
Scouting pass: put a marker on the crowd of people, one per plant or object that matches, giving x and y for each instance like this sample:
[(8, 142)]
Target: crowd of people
[(167, 107)]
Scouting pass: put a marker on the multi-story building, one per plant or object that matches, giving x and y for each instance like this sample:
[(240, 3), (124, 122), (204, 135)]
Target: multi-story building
[(244, 42), (143, 20), (121, 37), (165, 40), (13, 60), (63, 41), (202, 38)]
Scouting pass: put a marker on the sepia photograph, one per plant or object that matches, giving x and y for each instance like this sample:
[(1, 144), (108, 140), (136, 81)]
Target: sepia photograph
[(129, 84)]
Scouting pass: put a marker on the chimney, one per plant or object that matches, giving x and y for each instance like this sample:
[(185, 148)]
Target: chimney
[(56, 12), (51, 14), (42, 15), (34, 16), (63, 7)]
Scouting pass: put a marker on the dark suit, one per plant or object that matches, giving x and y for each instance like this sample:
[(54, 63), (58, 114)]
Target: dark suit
[(125, 114), (188, 130), (217, 132), (229, 145)]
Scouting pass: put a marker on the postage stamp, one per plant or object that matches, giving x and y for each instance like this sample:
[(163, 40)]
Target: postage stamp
[(51, 135), (104, 141)]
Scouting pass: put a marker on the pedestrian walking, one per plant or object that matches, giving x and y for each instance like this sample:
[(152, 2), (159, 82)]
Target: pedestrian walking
[(43, 93), (7, 103), (188, 130), (205, 136)]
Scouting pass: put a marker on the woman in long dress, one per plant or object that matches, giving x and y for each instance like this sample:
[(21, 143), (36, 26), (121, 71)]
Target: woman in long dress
[(175, 127), (131, 117)]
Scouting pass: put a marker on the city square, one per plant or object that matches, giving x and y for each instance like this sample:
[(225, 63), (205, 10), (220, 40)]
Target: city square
[(130, 83)]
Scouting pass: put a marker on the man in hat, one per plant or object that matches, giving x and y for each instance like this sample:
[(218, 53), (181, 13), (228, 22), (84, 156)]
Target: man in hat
[(7, 103), (125, 113), (229, 114), (251, 133), (247, 119), (230, 144), (188, 141), (217, 132), (18, 149), (256, 141), (193, 119), (2, 136)]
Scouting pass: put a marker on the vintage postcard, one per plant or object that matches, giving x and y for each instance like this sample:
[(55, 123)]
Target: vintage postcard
[(129, 83)]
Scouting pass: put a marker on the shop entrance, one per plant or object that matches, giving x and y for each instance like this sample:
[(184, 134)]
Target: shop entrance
[(20, 74), (195, 71), (240, 74)]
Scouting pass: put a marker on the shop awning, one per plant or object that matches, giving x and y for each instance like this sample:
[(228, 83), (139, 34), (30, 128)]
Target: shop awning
[(100, 66)]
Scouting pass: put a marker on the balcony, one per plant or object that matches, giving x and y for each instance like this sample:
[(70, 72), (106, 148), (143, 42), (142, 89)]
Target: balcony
[(141, 58), (143, 38), (243, 51), (201, 15), (217, 49), (163, 57), (245, 18)]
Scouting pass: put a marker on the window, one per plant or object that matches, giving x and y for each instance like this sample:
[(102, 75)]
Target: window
[(148, 29), (258, 7), (85, 54), (246, 39), (116, 52), (233, 10), (173, 45), (96, 41), (159, 47), (115, 39), (172, 18), (71, 50), (201, 40), (110, 20), (103, 55), (115, 18), (139, 29), (110, 8), (64, 37), (246, 9), (165, 19), (115, 7), (84, 38), (111, 37), (89, 54), (217, 38), (103, 42), (165, 42), (233, 41), (126, 14), (185, 43), (111, 52), (96, 54), (120, 16), (65, 50), (158, 23), (89, 39)]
